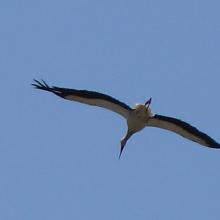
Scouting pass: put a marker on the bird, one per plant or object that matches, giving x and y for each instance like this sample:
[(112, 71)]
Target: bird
[(138, 117)]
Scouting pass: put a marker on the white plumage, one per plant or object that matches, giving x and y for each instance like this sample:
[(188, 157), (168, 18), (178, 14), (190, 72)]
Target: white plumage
[(137, 118)]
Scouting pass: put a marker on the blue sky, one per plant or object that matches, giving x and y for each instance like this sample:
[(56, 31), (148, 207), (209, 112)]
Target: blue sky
[(59, 159)]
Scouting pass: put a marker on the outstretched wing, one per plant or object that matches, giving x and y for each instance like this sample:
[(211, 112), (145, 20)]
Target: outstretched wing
[(182, 128), (86, 97)]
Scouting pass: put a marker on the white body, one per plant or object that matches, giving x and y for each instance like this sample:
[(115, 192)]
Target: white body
[(138, 118), (136, 121)]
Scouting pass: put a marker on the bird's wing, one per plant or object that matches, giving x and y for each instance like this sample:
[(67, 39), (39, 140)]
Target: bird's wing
[(182, 128), (86, 97)]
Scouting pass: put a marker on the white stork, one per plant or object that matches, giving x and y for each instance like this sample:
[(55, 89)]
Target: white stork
[(137, 118)]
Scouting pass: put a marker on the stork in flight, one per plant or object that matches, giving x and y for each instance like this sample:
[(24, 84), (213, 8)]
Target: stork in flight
[(137, 118)]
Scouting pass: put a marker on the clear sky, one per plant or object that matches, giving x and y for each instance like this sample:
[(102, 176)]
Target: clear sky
[(59, 159)]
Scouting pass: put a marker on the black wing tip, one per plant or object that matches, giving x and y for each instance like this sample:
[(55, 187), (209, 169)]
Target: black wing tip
[(214, 145), (41, 85)]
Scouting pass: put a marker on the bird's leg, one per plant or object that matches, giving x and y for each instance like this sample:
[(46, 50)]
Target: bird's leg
[(124, 141), (147, 103)]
